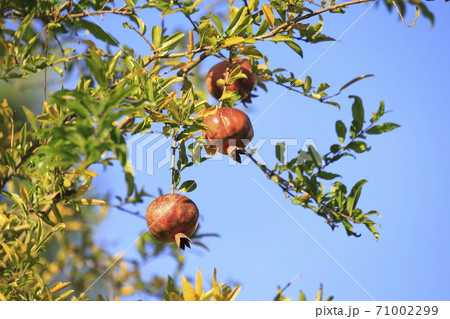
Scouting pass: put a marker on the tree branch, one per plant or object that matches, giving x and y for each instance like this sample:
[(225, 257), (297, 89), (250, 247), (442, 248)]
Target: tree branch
[(20, 161), (290, 22)]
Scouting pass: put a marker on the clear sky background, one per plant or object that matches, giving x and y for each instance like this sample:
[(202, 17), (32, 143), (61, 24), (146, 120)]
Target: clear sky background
[(260, 246)]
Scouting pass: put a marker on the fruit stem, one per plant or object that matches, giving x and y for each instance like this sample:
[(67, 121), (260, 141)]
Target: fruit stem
[(182, 241), (172, 166), (227, 75)]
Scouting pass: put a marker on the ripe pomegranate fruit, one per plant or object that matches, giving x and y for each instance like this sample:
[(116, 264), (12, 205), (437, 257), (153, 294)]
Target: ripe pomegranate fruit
[(172, 218), (243, 86), (230, 130)]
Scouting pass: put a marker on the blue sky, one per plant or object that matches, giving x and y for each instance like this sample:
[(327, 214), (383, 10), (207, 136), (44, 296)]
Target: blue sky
[(260, 246)]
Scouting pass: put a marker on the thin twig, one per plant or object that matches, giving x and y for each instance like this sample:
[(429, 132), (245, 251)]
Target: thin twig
[(189, 66), (401, 15), (284, 26), (135, 213), (45, 69), (142, 36), (172, 166), (189, 17), (286, 287)]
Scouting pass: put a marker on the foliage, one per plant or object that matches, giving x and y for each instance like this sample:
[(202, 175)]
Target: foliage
[(48, 212)]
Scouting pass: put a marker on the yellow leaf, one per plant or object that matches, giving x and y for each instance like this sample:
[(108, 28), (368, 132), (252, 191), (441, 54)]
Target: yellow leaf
[(216, 286), (206, 112), (67, 182), (270, 18), (319, 293), (191, 42), (60, 286), (175, 297), (85, 201), (24, 193), (196, 3), (3, 219), (7, 250), (233, 294), (198, 283), (56, 287), (135, 74), (188, 290), (126, 290), (83, 188), (232, 41), (117, 298)]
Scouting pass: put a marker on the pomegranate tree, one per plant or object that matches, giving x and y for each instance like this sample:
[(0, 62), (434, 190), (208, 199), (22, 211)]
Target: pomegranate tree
[(230, 130), (172, 218), (243, 86)]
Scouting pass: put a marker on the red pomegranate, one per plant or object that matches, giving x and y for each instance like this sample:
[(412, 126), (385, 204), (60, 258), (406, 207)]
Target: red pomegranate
[(243, 86), (172, 218), (230, 130)]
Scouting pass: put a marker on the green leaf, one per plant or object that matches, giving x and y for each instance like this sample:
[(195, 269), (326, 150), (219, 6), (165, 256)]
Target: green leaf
[(112, 63), (341, 131), (371, 226), (281, 38), (262, 28), (359, 147), (118, 95), (58, 70), (339, 190), (378, 114), (294, 46), (385, 127), (357, 109), (31, 118), (23, 26), (352, 199), (348, 227), (98, 32), (30, 44), (156, 35), (217, 22), (328, 176), (355, 80), (238, 22), (171, 41), (251, 52), (427, 13), (307, 84), (315, 155), (188, 186), (280, 148), (140, 23), (97, 68), (10, 160)]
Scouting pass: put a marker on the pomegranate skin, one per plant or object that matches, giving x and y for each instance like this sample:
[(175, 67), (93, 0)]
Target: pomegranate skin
[(170, 215), (228, 127), (243, 86)]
